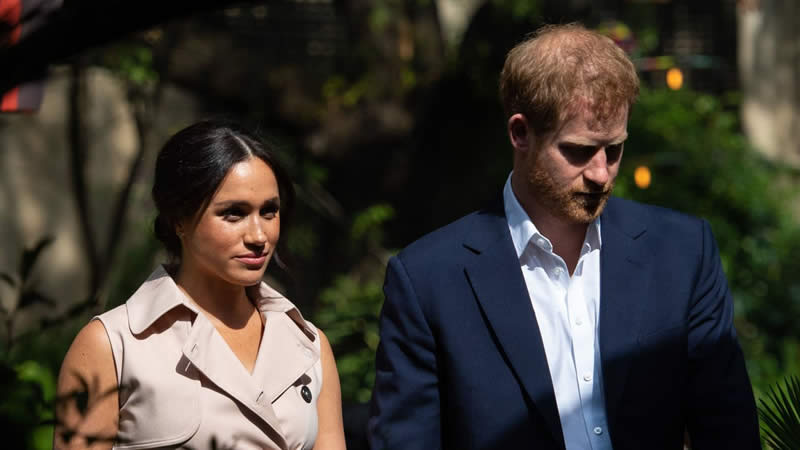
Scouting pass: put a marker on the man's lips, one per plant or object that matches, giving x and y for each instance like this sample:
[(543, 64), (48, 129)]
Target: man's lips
[(591, 198), (252, 260)]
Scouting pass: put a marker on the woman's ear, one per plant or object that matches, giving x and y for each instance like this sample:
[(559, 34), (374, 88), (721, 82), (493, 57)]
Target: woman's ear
[(519, 133)]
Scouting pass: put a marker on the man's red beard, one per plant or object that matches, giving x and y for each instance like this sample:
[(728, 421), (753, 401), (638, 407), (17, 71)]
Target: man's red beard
[(579, 206)]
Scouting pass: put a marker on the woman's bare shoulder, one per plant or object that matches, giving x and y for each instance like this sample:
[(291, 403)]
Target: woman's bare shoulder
[(88, 371), (89, 359)]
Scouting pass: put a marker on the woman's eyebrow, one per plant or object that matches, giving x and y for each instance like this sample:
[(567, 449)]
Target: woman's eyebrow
[(242, 203)]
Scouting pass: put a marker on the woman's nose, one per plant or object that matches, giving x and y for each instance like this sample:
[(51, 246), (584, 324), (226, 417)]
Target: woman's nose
[(255, 232)]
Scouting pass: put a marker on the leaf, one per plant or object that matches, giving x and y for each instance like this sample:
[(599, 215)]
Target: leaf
[(34, 372), (371, 219), (781, 416), (8, 279), (29, 257), (33, 297)]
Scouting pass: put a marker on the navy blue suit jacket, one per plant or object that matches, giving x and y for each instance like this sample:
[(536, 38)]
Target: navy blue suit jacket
[(461, 363)]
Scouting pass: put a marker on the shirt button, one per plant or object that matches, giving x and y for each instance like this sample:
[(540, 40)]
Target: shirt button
[(598, 431), (557, 271), (540, 242), (578, 321), (587, 378)]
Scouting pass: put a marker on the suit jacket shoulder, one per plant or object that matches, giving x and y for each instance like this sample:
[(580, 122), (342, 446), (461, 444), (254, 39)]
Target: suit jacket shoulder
[(446, 243), (666, 233), (627, 213)]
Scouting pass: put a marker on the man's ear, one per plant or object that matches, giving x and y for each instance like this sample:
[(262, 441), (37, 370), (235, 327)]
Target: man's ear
[(519, 133)]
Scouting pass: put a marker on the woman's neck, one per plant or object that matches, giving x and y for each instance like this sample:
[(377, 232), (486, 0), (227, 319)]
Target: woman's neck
[(222, 301)]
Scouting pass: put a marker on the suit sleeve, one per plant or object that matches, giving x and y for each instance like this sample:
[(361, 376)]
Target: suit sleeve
[(405, 400), (720, 405)]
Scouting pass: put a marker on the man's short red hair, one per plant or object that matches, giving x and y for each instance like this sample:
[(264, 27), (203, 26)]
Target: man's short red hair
[(562, 68)]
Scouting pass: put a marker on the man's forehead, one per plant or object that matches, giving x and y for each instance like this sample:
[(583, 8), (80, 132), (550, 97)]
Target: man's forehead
[(597, 114), (597, 108), (585, 127)]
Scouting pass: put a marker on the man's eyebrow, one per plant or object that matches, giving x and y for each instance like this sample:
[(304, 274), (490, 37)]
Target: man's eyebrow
[(619, 140), (577, 142)]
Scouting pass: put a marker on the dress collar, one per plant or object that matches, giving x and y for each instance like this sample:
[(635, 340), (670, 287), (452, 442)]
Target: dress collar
[(159, 294)]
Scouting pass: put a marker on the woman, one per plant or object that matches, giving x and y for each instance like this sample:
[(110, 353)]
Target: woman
[(205, 354)]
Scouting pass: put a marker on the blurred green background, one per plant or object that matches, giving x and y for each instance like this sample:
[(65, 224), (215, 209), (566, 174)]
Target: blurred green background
[(386, 114)]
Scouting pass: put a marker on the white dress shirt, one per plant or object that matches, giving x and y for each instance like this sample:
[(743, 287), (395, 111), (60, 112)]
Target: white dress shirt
[(567, 311)]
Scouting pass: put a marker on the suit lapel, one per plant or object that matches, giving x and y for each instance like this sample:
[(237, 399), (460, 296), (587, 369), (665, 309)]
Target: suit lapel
[(496, 279), (624, 262)]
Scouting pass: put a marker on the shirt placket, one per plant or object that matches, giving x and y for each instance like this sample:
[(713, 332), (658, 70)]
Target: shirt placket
[(582, 331), (560, 282)]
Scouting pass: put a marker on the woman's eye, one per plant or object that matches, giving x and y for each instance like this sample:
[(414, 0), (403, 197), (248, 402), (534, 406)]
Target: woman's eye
[(269, 212), (232, 215)]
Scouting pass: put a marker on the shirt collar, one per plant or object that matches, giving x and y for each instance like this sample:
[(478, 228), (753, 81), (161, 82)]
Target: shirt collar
[(159, 294), (523, 229)]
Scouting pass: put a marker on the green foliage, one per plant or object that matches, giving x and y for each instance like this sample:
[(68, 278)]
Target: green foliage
[(338, 91), (132, 61), (781, 415), (23, 282), (701, 164), (27, 395), (367, 224), (349, 308), (302, 241), (520, 10), (32, 373), (349, 315), (380, 16), (27, 383)]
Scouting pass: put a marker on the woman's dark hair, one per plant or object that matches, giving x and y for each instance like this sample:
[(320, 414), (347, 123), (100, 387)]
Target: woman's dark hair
[(193, 163)]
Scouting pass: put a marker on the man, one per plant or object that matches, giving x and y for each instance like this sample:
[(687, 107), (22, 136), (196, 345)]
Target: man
[(562, 317)]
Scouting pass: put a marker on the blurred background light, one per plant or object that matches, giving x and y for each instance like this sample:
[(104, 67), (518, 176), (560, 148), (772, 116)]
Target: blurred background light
[(642, 177), (674, 78)]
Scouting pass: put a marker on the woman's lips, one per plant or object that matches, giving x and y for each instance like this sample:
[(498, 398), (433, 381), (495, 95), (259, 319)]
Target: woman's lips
[(252, 260)]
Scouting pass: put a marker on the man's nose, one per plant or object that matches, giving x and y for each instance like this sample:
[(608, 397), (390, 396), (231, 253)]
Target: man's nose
[(596, 170)]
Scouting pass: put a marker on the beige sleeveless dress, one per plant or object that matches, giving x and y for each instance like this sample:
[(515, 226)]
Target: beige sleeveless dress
[(181, 386)]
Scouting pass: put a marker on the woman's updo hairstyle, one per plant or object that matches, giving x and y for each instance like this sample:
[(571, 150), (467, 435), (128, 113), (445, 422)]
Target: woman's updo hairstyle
[(190, 167)]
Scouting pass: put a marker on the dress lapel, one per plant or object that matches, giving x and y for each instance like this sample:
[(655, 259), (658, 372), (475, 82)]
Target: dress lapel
[(496, 279), (288, 354), (210, 354), (624, 279)]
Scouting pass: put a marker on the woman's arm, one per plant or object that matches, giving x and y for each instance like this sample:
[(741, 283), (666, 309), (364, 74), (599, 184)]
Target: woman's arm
[(329, 404), (87, 411)]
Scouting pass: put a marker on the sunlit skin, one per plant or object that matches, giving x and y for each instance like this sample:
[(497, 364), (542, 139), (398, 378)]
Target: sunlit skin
[(230, 244), (563, 179)]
